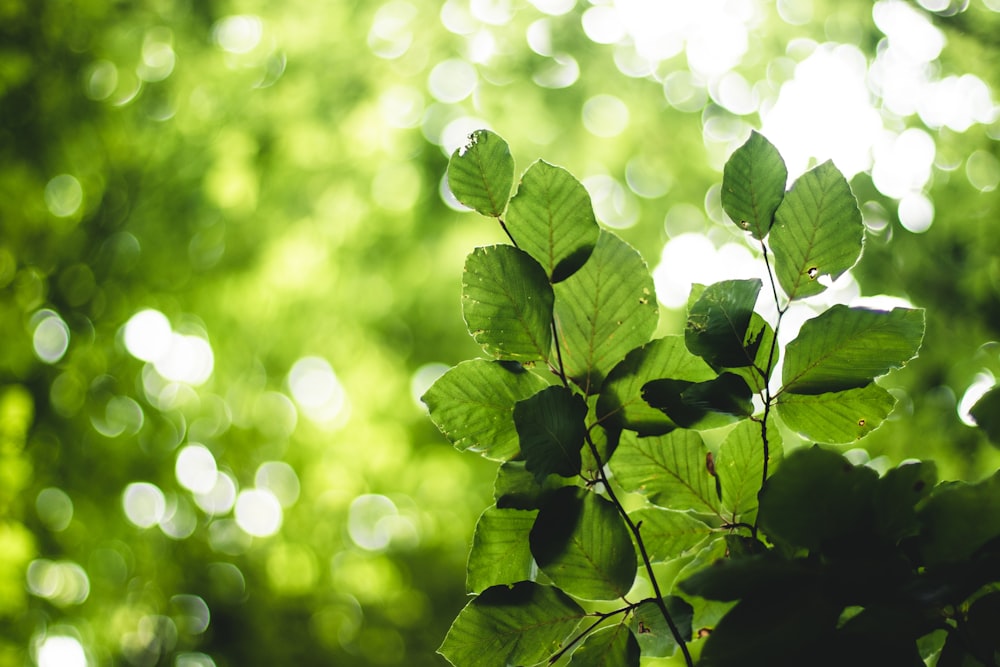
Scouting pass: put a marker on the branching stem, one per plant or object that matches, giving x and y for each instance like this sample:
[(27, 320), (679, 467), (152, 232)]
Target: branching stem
[(601, 617)]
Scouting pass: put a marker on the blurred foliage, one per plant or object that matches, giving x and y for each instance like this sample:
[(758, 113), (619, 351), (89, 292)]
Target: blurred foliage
[(268, 179)]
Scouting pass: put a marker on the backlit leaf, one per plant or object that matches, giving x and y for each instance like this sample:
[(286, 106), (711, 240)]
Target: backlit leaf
[(701, 405), (740, 467), (759, 347), (753, 184), (473, 405), (836, 417), (507, 303), (717, 323), (817, 232), (846, 348), (652, 631), (481, 173), (523, 624), (500, 553), (608, 647), (669, 534), (603, 311), (551, 427), (582, 544), (551, 218)]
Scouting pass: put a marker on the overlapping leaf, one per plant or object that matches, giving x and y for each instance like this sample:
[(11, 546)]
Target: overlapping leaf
[(669, 534), (473, 405), (551, 218), (652, 631), (836, 417), (701, 405), (817, 232), (507, 303), (959, 518), (718, 321), (481, 173), (740, 467), (500, 553), (603, 311), (551, 427), (608, 647), (523, 624), (753, 185)]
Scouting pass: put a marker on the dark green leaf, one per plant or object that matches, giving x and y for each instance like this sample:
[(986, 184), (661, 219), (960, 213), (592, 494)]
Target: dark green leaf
[(958, 518), (817, 232), (670, 469), (603, 311), (473, 405), (731, 579), (551, 218), (621, 402), (516, 487), (481, 173), (551, 426), (581, 542), (605, 440), (718, 321), (760, 348), (896, 496), (836, 417), (986, 413), (522, 624), (500, 553), (753, 184), (507, 303), (740, 467), (701, 405), (817, 498), (669, 534), (608, 647), (846, 348), (652, 631)]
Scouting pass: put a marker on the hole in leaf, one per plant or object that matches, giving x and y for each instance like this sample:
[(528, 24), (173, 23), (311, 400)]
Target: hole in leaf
[(744, 224), (861, 422), (813, 272)]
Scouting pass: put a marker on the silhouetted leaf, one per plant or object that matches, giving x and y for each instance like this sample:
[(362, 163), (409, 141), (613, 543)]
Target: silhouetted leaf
[(717, 323), (986, 413), (958, 518), (551, 426), (701, 405), (481, 173)]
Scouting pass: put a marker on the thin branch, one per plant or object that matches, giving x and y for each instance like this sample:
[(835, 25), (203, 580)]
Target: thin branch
[(503, 225), (601, 617)]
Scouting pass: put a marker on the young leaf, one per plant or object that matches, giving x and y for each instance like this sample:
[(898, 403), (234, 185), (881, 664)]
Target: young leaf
[(717, 323), (846, 348), (481, 173), (701, 405), (507, 303), (986, 413), (753, 184), (551, 218), (836, 417), (817, 232), (651, 629), (621, 403), (581, 543), (551, 426), (740, 467), (522, 624), (958, 518), (500, 553), (670, 469), (603, 311), (608, 647), (473, 405), (669, 534)]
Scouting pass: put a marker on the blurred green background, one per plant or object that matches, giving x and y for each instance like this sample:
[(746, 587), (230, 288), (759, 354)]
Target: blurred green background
[(229, 267)]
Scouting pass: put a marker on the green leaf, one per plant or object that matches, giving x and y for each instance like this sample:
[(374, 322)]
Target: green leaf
[(896, 497), (959, 518), (608, 647), (669, 534), (816, 499), (551, 426), (986, 413), (522, 624), (836, 417), (740, 467), (718, 321), (481, 173), (605, 441), (817, 232), (621, 403), (758, 344), (517, 488), (507, 303), (651, 629), (731, 579), (581, 543), (701, 405), (551, 218), (753, 185), (846, 348), (603, 311), (473, 405), (670, 470), (500, 553)]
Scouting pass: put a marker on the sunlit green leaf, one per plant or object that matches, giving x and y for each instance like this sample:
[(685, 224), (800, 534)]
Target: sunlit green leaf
[(621, 401), (581, 542), (986, 413), (551, 218), (603, 311), (551, 426), (500, 553), (605, 441), (959, 518), (717, 323), (473, 405), (507, 303), (836, 417), (753, 184), (481, 173), (817, 232), (652, 631), (669, 534), (608, 647), (845, 348), (701, 405), (671, 470), (740, 467), (522, 624)]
